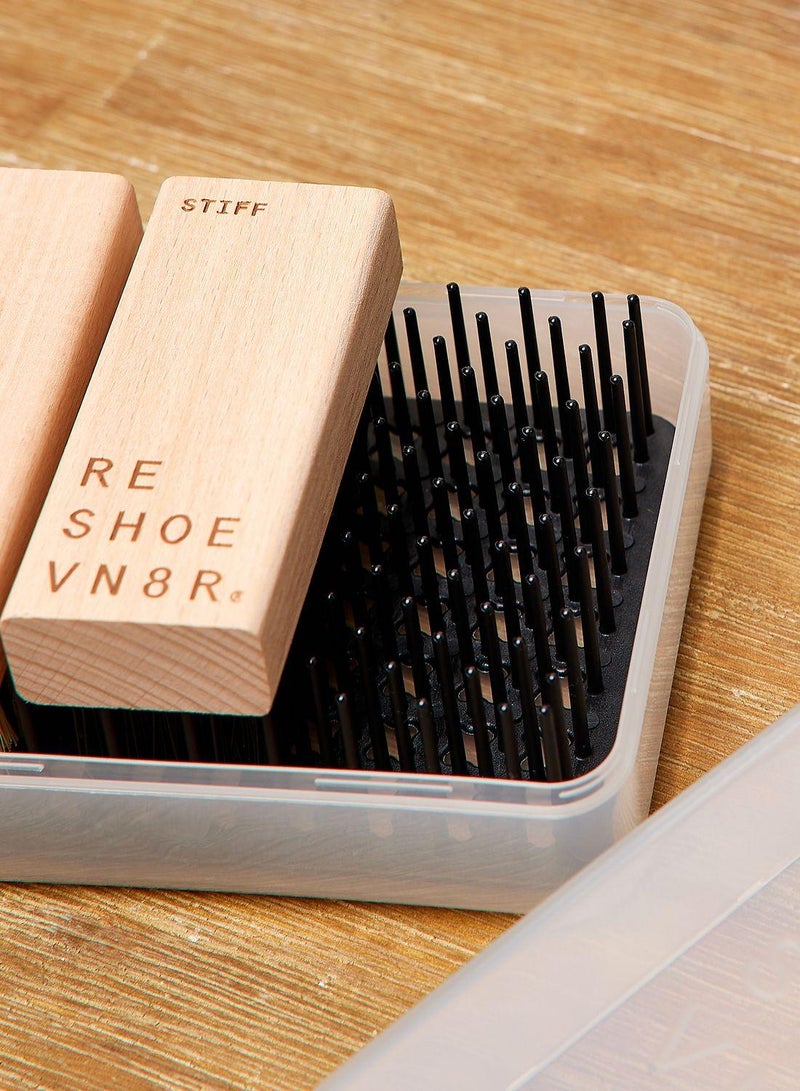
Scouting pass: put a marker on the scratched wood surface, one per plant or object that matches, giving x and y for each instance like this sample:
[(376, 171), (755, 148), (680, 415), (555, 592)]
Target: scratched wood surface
[(629, 146)]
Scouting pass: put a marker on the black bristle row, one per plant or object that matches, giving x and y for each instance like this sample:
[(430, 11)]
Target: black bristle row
[(475, 600)]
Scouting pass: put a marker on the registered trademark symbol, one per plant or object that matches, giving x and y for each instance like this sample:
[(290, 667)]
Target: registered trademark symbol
[(236, 595)]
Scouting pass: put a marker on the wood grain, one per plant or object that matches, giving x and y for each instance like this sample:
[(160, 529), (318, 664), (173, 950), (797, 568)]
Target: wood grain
[(67, 241), (171, 560), (646, 147)]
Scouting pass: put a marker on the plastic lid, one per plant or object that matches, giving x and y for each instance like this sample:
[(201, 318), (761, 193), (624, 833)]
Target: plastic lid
[(672, 961)]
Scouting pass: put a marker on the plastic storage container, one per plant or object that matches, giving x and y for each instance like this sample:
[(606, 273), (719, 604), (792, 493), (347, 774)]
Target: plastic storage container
[(673, 961), (463, 842)]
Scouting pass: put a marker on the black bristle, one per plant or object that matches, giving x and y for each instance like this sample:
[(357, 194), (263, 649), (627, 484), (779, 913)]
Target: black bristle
[(459, 474), (430, 582), (487, 493), (444, 521), (501, 441), (386, 466), (630, 505), (416, 653), (398, 704), (559, 369), (473, 417), (635, 315), (369, 691), (591, 642), (428, 732), (504, 587), (458, 611), (430, 436), (602, 576), (517, 387), (548, 560), (552, 697), (577, 692), (477, 715), (348, 731), (531, 470), (638, 429), (458, 326), (530, 728), (616, 538), (390, 342), (593, 424), (416, 355), (402, 417), (508, 735), (447, 690), (488, 365), (490, 646), (536, 621), (604, 367), (473, 548), (518, 527), (529, 337), (445, 377), (414, 491)]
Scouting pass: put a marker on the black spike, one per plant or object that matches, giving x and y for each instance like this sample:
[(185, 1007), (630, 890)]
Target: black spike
[(568, 534), (459, 473), (416, 654), (577, 692), (398, 702), (444, 521), (552, 757), (490, 646), (477, 716), (552, 696), (430, 582), (390, 342), (369, 690), (398, 548), (414, 492), (445, 376), (472, 409), (630, 505), (548, 560), (529, 338), (530, 728), (447, 689), (574, 427), (375, 399), (508, 736), (402, 418), (459, 613), (386, 467), (348, 732), (504, 587), (560, 370), (591, 641), (501, 441), (517, 386), (616, 539), (430, 438), (536, 621), (473, 548), (430, 744), (459, 328), (542, 397), (487, 493), (593, 425), (487, 355), (602, 577), (378, 590), (531, 470), (603, 357), (415, 349), (640, 452), (518, 526), (635, 315)]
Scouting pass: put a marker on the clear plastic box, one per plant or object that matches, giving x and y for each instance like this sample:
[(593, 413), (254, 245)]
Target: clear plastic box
[(673, 961), (462, 842)]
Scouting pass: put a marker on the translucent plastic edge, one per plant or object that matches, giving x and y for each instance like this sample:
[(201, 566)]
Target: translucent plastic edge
[(416, 791), (605, 934)]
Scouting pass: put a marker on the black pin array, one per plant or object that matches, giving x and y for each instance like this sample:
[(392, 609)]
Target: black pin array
[(475, 601)]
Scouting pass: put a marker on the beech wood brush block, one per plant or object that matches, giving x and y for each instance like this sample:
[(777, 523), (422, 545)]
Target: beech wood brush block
[(67, 241), (171, 559)]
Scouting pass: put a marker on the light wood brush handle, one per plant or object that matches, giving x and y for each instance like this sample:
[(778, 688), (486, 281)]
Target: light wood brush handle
[(172, 557), (67, 241)]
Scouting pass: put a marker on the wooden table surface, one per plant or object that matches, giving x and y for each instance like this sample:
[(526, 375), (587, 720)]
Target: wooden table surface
[(646, 147)]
